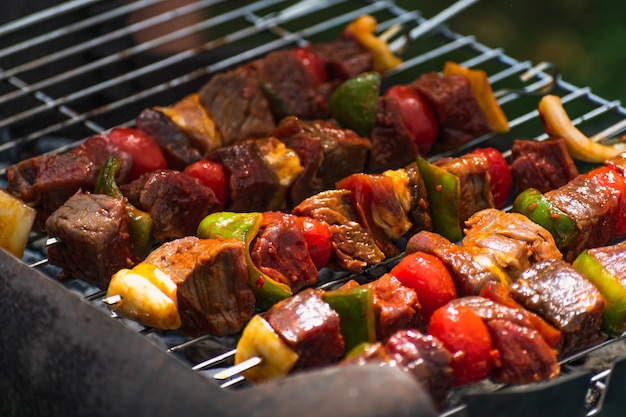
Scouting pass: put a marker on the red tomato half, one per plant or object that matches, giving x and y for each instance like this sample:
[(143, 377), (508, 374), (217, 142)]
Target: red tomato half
[(467, 338), (146, 154), (417, 115), (212, 175), (608, 177), (317, 238), (429, 277), (500, 179), (314, 65)]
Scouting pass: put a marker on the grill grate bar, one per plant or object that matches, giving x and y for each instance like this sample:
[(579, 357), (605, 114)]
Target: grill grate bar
[(43, 15), (92, 43), (75, 27)]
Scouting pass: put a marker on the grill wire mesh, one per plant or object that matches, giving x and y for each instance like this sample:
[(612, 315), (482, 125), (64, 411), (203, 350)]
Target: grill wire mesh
[(84, 66)]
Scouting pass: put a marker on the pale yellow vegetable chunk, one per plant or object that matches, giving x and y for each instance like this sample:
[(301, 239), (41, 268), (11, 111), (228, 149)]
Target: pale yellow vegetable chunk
[(16, 223), (260, 340), (133, 295)]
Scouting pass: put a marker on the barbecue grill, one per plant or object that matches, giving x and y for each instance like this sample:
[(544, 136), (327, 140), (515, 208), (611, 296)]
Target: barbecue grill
[(81, 67)]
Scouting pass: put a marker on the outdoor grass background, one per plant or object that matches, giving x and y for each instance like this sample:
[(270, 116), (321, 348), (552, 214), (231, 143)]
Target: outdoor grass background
[(586, 39)]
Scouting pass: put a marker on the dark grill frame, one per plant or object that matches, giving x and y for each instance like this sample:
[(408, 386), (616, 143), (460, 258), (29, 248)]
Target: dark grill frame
[(71, 358)]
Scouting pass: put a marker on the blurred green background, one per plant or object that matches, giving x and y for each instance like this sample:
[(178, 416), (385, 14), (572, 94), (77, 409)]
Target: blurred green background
[(586, 39)]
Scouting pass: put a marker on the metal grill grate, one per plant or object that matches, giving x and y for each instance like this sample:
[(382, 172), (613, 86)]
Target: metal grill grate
[(85, 66)]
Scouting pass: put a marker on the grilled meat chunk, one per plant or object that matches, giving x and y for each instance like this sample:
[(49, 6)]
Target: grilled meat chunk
[(378, 208), (566, 299), (592, 207), (472, 170), (327, 153), (469, 275), (236, 102), (419, 212), (397, 306), (345, 152), (392, 143), (93, 238), (344, 57), (524, 355), (214, 294), (309, 326), (353, 247), (252, 183), (288, 87), (45, 182), (176, 202), (280, 251), (456, 109), (543, 165), (510, 240), (423, 356), (179, 150)]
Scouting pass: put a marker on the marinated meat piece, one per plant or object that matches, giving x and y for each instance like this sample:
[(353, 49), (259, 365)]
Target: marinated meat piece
[(456, 109), (284, 163), (235, 101), (593, 209), (176, 202), (472, 170), (511, 240), (353, 247), (344, 57), (500, 294), (397, 306), (192, 118), (423, 356), (524, 354), (45, 182), (566, 299), (419, 213), (93, 238), (179, 150), (469, 275), (214, 294), (345, 152), (392, 143), (377, 208), (288, 87), (280, 251), (327, 153), (293, 133), (252, 183), (543, 165), (310, 327)]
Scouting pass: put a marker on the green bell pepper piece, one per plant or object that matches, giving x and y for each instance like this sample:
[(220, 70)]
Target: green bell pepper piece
[(534, 205), (140, 222), (443, 189), (244, 227), (612, 290), (354, 103), (355, 307)]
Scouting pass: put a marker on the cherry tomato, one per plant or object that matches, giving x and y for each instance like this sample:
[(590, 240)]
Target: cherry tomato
[(317, 238), (417, 115), (427, 275), (146, 154), (314, 65), (500, 180), (212, 175), (467, 338), (608, 177)]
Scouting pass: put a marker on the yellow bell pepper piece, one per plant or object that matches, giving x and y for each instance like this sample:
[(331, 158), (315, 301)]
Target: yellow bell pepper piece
[(484, 95), (363, 29)]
